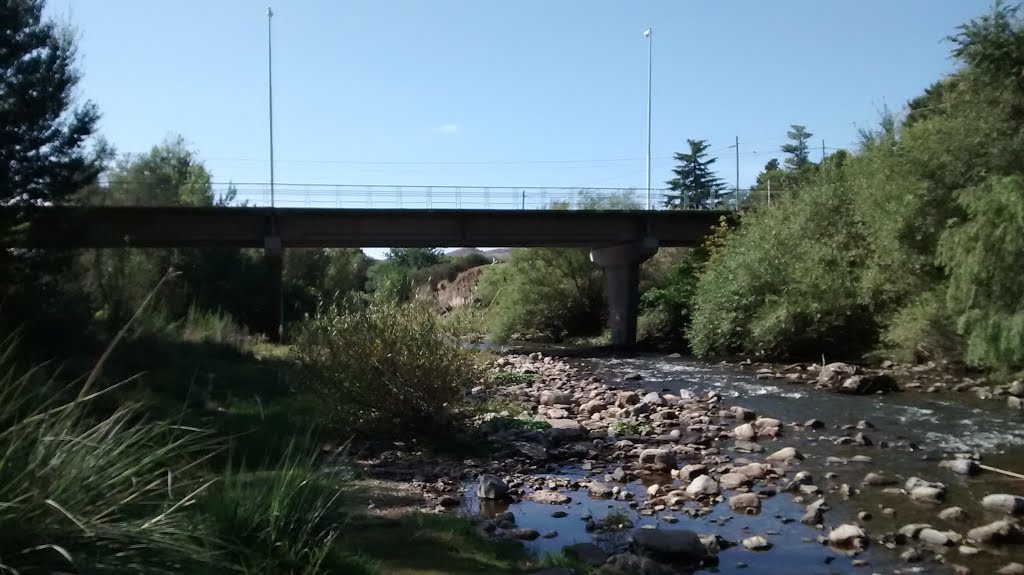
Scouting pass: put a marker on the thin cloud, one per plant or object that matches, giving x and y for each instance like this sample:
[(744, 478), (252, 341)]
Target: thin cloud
[(447, 129)]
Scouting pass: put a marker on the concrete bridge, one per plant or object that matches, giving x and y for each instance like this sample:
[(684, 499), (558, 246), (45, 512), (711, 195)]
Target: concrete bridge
[(619, 240)]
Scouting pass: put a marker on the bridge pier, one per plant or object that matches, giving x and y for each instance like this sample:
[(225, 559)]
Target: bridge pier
[(273, 251), (621, 265)]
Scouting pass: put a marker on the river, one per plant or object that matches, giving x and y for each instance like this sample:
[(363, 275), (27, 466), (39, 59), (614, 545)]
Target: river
[(918, 428)]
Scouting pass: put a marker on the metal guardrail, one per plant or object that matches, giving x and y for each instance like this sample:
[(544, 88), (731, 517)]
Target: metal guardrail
[(439, 197)]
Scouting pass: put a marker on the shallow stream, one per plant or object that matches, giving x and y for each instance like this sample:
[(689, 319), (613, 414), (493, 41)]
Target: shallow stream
[(920, 427)]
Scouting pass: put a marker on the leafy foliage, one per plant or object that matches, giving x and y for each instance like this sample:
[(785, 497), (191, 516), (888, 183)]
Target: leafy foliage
[(544, 293), (896, 244), (984, 257)]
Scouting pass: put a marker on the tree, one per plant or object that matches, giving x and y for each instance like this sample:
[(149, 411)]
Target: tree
[(695, 185), (170, 174), (43, 135), (415, 258), (799, 153), (44, 159)]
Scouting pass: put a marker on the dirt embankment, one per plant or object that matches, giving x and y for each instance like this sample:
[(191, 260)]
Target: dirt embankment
[(460, 291)]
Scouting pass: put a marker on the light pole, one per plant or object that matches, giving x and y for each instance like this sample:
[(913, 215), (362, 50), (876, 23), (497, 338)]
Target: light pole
[(270, 95), (650, 64)]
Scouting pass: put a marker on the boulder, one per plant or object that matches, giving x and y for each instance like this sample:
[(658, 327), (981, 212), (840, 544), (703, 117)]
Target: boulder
[(599, 489), (733, 480), (836, 372), (565, 429), (956, 514), (866, 384), (692, 470), (928, 494), (912, 530), (1001, 531), (491, 487), (745, 431), (626, 399), (745, 502), (676, 545), (1011, 569), (702, 485), (657, 459), (934, 537), (549, 497), (785, 454), (877, 480), (587, 553), (848, 536), (555, 398), (632, 377), (757, 543), (627, 563), (961, 466), (1004, 503), (523, 533), (653, 398)]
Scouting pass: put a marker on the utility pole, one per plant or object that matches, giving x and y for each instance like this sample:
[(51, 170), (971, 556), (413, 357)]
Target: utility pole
[(769, 191), (650, 76), (737, 173), (270, 96), (823, 151)]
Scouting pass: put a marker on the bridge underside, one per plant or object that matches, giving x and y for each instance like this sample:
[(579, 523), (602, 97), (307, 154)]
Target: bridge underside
[(620, 240), (86, 227)]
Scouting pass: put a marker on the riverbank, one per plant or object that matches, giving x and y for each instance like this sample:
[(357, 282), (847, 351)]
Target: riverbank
[(593, 450)]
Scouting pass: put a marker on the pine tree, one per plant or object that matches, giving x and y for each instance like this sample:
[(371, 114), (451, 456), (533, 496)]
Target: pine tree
[(799, 153), (43, 156), (695, 186)]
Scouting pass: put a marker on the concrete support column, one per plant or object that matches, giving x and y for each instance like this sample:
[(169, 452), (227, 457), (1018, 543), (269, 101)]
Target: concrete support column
[(273, 250), (621, 265)]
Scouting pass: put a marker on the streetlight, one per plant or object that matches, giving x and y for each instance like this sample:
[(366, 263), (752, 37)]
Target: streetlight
[(270, 94), (650, 62)]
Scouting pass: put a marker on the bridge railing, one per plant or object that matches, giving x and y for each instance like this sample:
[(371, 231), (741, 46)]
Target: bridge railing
[(439, 197)]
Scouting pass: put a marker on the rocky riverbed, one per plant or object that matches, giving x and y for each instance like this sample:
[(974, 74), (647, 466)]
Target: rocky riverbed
[(660, 465)]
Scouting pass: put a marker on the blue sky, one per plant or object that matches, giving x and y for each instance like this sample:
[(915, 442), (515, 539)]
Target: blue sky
[(489, 93)]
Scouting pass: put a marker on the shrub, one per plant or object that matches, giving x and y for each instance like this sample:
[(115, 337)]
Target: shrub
[(381, 365)]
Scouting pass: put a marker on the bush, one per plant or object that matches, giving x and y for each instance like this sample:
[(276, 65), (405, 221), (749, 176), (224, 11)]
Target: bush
[(544, 293), (383, 366)]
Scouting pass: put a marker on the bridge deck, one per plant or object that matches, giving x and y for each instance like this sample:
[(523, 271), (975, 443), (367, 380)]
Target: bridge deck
[(83, 227)]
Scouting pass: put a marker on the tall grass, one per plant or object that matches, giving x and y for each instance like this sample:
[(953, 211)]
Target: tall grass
[(93, 494), (87, 490), (284, 520)]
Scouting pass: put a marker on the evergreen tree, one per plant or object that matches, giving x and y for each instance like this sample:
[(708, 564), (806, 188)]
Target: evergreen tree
[(43, 135), (695, 186), (799, 153)]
